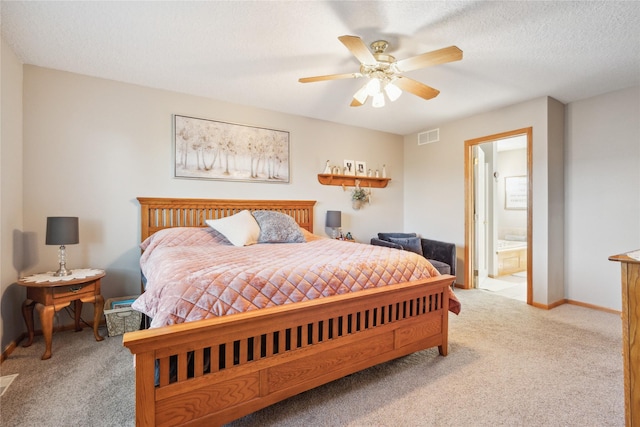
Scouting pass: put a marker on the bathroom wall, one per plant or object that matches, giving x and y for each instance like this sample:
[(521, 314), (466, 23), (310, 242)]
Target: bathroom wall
[(509, 222)]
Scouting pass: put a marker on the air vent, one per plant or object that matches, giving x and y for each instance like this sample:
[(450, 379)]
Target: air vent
[(429, 136)]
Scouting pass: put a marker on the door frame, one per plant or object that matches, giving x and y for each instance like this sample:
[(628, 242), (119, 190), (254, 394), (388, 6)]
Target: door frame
[(469, 229), (480, 237)]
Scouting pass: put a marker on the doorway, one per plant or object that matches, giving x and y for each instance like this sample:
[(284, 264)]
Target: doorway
[(493, 248)]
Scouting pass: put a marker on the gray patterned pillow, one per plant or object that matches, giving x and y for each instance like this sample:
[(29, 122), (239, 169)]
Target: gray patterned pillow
[(276, 227), (412, 244)]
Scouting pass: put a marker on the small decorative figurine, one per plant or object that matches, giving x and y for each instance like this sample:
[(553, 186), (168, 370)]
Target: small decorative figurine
[(327, 168)]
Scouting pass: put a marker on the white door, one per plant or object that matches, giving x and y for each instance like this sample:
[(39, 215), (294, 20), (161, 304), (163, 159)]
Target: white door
[(480, 216)]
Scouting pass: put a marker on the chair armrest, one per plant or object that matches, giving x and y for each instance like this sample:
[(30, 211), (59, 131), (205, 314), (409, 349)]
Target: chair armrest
[(379, 242), (440, 251)]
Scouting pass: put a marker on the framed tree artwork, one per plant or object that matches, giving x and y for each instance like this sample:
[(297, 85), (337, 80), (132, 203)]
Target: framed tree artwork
[(210, 149)]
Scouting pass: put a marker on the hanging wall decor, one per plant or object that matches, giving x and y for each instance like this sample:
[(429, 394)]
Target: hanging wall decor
[(209, 149), (515, 189), (359, 196)]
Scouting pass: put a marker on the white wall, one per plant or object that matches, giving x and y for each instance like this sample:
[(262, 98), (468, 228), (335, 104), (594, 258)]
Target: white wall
[(91, 146), (602, 178), (434, 184), (509, 163), (11, 294)]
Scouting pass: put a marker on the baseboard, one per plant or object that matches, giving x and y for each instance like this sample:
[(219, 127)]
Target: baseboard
[(595, 307), (548, 306), (578, 303), (14, 344)]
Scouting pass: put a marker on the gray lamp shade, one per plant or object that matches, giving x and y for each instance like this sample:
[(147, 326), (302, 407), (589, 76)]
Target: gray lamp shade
[(62, 230), (334, 219)]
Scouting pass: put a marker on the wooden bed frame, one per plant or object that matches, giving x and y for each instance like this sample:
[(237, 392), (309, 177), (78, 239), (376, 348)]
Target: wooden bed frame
[(264, 356)]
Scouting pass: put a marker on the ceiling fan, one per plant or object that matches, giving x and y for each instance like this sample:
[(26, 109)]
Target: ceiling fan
[(383, 71)]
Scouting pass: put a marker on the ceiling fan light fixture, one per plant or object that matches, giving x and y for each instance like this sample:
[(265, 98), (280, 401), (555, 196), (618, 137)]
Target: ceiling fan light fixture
[(361, 95), (383, 71), (392, 91), (378, 100), (373, 87)]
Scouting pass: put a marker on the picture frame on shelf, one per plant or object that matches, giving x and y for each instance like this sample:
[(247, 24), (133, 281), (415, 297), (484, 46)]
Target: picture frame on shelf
[(349, 167), (361, 168)]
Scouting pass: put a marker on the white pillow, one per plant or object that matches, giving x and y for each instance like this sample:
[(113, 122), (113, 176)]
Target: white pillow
[(240, 229)]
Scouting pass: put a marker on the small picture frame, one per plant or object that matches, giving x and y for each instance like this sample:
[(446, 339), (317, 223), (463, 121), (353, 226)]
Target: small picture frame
[(515, 192), (349, 167), (361, 168)]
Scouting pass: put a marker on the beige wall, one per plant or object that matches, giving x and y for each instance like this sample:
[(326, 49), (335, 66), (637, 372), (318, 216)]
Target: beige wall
[(434, 183), (11, 230), (555, 214), (602, 182), (92, 146)]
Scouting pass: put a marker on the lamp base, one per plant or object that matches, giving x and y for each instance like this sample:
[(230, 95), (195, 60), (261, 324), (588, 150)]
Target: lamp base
[(62, 271), (62, 259)]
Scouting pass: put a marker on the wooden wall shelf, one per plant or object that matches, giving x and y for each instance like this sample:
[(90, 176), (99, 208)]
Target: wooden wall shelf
[(349, 180)]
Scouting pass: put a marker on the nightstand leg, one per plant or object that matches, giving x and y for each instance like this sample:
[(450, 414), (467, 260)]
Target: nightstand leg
[(78, 313), (27, 313), (98, 308), (46, 319)]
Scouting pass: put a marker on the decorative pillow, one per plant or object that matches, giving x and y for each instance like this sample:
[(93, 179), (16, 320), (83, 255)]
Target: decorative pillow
[(412, 244), (387, 236), (276, 227), (240, 229)]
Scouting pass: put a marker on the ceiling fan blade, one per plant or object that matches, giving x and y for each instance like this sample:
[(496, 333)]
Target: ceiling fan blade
[(360, 50), (416, 88), (440, 56), (329, 77), (356, 103)]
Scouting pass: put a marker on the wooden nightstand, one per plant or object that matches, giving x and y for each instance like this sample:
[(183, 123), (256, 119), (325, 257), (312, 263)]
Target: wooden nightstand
[(50, 294)]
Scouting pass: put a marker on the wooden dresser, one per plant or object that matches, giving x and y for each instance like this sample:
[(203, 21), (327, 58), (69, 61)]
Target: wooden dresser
[(631, 334)]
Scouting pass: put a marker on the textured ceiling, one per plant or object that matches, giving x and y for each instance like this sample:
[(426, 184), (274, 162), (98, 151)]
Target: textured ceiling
[(252, 53)]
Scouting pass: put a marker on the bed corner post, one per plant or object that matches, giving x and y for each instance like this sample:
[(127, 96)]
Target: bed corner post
[(144, 217), (443, 348), (145, 389)]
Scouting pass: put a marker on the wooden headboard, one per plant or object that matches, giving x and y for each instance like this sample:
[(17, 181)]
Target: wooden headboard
[(160, 213)]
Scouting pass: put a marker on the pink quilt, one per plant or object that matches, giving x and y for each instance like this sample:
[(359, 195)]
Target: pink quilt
[(195, 273)]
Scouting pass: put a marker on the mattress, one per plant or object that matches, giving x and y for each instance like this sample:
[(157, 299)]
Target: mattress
[(195, 273)]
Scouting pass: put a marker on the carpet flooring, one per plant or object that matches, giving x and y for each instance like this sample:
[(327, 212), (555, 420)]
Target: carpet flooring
[(508, 364)]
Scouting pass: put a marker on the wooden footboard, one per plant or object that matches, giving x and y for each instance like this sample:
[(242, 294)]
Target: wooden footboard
[(216, 370)]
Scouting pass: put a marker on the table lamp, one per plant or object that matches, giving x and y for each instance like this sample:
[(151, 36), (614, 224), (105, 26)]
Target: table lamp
[(334, 222), (62, 230)]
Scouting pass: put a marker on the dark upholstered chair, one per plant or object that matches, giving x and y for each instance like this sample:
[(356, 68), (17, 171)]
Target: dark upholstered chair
[(441, 254)]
